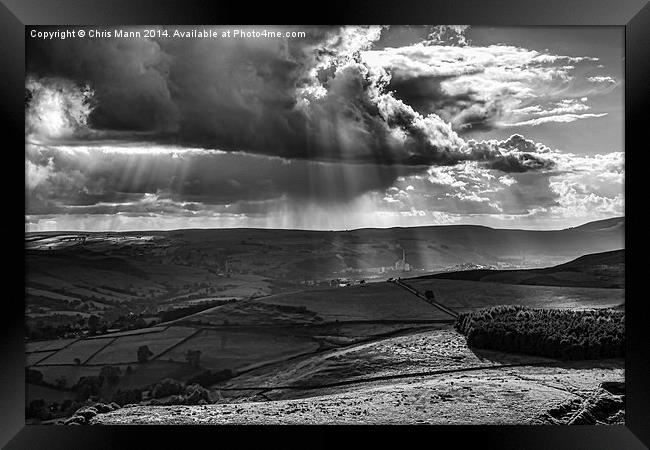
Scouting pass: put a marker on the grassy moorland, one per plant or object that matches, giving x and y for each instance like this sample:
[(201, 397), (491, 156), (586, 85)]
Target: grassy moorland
[(281, 351), (465, 295)]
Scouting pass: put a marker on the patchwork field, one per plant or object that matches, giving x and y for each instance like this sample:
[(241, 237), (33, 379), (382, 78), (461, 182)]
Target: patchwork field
[(73, 276), (124, 349), (41, 346), (368, 353), (252, 313), (81, 350), (372, 301), (312, 339), (221, 349), (35, 357)]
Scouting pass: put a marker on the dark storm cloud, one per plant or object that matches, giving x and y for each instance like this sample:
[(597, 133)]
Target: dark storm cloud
[(130, 78), (309, 98), (231, 94)]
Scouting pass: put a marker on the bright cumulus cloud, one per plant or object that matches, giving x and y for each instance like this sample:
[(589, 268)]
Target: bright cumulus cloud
[(335, 131)]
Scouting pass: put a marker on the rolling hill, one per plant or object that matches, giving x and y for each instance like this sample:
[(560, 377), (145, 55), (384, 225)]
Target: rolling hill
[(120, 276), (304, 254)]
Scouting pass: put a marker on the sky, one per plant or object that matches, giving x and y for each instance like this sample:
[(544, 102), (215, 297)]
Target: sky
[(345, 127)]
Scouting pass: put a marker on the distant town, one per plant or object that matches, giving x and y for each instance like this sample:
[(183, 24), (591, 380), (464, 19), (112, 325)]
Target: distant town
[(401, 266)]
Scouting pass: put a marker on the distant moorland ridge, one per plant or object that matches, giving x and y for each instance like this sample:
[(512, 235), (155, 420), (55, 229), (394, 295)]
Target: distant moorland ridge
[(603, 270), (313, 254)]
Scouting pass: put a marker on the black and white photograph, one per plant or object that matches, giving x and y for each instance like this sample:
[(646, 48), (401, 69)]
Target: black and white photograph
[(311, 225)]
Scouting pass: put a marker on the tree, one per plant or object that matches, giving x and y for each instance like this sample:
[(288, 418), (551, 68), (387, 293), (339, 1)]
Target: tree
[(144, 354), (193, 357), (123, 397), (196, 394), (93, 323), (87, 387), (33, 376), (61, 383), (77, 361), (38, 409), (167, 387), (65, 406), (110, 375)]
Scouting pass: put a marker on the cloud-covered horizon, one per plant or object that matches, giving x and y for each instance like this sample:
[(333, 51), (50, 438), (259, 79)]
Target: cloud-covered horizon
[(331, 126)]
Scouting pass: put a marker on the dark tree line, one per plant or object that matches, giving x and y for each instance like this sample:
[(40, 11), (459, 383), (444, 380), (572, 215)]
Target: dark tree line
[(555, 333)]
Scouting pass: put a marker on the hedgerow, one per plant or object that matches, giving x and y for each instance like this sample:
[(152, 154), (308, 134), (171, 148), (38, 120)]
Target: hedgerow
[(555, 333)]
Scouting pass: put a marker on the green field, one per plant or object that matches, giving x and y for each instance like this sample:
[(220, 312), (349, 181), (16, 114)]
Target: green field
[(369, 302), (233, 350), (125, 349), (467, 295), (41, 346), (35, 357), (252, 313), (81, 350)]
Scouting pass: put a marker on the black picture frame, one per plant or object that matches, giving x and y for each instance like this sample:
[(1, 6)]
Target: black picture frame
[(15, 15)]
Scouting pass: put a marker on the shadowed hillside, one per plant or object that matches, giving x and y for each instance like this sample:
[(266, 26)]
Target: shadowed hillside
[(602, 270)]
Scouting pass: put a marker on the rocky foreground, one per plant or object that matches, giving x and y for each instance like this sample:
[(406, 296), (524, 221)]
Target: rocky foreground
[(520, 395)]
